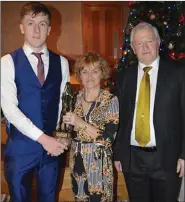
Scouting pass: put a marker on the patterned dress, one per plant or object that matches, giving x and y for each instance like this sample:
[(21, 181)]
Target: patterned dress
[(91, 161)]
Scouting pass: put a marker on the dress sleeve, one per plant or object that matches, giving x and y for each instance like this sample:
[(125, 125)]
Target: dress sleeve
[(112, 119)]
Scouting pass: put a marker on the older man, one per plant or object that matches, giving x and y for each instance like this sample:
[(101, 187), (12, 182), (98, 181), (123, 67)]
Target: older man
[(150, 146)]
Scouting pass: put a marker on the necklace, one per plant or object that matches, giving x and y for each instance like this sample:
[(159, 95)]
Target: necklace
[(91, 101)]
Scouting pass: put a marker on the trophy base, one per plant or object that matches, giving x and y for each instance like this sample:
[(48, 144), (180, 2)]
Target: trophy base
[(63, 134)]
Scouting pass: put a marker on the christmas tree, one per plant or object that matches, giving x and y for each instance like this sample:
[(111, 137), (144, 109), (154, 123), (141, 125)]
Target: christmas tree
[(168, 17)]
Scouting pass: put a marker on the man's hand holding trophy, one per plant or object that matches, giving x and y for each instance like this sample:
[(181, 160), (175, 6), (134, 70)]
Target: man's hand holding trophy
[(64, 131)]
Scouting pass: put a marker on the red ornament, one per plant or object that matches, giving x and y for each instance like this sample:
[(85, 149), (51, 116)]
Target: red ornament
[(130, 3), (181, 18), (172, 55), (181, 55)]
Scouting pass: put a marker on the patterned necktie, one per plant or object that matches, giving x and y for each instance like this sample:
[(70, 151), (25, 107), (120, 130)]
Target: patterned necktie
[(40, 68), (142, 134)]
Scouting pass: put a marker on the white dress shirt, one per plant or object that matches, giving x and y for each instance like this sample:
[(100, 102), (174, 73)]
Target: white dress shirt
[(9, 101), (153, 74)]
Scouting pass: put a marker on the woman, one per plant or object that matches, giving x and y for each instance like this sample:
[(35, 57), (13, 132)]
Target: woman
[(95, 121)]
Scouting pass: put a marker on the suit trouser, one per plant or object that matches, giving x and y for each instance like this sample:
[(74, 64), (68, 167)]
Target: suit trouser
[(19, 172), (146, 180)]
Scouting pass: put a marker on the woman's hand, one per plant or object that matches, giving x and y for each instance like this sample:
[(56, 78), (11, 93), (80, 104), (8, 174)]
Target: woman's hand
[(73, 119)]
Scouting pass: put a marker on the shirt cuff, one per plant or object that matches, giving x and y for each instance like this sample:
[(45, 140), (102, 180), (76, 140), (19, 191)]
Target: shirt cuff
[(35, 134)]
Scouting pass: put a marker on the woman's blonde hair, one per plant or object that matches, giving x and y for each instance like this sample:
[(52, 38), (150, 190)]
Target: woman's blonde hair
[(94, 59)]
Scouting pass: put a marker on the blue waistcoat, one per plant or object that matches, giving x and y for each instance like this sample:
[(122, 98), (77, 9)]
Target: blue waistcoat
[(38, 103)]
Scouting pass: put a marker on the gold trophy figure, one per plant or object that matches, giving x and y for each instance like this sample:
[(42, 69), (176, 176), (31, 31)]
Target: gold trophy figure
[(68, 104)]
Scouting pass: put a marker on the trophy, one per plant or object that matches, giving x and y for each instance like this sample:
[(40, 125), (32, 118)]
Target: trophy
[(68, 103)]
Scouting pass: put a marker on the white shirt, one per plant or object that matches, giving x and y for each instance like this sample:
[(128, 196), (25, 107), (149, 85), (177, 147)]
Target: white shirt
[(153, 74), (9, 101)]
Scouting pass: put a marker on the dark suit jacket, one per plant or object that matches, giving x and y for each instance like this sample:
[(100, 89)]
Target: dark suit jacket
[(168, 116)]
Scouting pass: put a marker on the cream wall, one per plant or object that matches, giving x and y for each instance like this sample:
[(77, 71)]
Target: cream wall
[(66, 34)]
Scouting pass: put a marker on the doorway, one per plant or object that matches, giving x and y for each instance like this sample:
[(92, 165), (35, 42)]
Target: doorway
[(102, 29)]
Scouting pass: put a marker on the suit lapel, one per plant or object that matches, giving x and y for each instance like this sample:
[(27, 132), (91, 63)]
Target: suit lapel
[(160, 92), (131, 88)]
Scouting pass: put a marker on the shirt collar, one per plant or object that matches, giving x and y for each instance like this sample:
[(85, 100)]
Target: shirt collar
[(154, 64), (28, 50)]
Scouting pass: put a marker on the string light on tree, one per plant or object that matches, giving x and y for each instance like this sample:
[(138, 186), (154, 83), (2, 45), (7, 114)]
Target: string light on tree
[(165, 23), (152, 16), (125, 52)]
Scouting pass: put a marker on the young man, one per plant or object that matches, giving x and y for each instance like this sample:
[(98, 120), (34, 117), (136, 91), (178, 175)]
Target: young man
[(32, 81), (150, 145)]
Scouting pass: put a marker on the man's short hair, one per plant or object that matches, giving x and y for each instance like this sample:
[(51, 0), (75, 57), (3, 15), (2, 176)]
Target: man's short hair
[(143, 25), (35, 8)]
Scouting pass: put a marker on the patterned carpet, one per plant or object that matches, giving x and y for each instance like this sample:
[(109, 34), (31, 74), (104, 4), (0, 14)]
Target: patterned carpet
[(6, 198)]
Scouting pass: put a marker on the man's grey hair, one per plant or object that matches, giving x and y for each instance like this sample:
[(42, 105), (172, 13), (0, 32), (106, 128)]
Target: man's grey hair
[(143, 25)]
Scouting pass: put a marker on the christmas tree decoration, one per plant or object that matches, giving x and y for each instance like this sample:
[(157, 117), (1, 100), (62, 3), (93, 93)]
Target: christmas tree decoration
[(181, 55), (168, 17), (179, 33), (171, 45), (165, 23), (129, 3), (152, 16), (172, 55), (182, 19), (125, 52)]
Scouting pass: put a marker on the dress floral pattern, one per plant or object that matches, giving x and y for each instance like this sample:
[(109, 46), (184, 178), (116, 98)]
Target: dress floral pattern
[(91, 161)]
